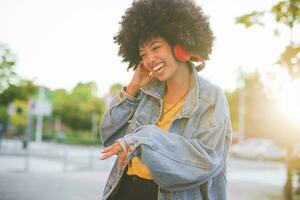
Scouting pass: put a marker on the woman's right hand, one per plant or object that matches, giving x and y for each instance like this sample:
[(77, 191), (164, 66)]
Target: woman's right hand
[(141, 77)]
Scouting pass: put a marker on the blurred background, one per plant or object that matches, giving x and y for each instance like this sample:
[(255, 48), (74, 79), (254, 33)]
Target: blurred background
[(59, 69)]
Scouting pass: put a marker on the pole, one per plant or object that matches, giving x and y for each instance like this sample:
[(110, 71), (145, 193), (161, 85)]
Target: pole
[(241, 119), (39, 124), (57, 127), (39, 128), (94, 125)]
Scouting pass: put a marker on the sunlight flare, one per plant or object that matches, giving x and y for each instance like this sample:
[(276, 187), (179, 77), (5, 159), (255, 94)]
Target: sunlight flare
[(290, 101)]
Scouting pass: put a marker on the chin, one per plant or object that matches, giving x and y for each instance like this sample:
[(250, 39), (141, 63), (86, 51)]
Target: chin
[(162, 78)]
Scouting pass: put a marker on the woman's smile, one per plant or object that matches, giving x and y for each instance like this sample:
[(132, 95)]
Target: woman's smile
[(158, 69)]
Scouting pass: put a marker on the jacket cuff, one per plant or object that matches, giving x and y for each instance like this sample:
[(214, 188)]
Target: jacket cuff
[(123, 96), (130, 149)]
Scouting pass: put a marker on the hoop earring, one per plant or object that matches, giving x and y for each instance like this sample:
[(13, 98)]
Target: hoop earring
[(200, 66)]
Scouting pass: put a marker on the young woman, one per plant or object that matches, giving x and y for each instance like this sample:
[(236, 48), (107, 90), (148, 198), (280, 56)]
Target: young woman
[(169, 127)]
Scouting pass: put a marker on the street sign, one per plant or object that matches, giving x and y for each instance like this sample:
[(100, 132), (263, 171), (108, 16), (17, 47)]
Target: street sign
[(11, 109), (41, 108)]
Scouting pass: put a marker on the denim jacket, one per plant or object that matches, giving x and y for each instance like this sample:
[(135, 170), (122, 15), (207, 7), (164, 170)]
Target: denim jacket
[(189, 161)]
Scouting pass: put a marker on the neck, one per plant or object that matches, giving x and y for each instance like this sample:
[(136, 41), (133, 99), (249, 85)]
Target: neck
[(179, 84)]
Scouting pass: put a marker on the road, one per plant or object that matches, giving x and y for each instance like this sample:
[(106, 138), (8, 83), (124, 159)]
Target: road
[(75, 177), (259, 180)]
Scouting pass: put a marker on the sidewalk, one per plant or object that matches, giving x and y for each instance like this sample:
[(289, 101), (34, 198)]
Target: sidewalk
[(47, 171), (67, 172), (50, 157)]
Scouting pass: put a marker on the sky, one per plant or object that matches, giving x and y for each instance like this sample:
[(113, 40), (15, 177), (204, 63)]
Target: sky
[(59, 43)]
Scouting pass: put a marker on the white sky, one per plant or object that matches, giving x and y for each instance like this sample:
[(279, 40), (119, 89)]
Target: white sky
[(62, 42)]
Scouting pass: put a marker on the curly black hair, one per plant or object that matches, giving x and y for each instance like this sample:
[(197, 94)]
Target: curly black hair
[(177, 21)]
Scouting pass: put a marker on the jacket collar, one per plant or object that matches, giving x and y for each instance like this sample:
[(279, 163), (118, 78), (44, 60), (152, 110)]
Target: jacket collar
[(156, 89)]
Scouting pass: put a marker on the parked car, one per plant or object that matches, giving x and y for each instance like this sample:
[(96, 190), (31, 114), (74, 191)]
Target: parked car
[(260, 149), (292, 185)]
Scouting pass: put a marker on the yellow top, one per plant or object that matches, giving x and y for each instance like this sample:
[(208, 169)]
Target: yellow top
[(169, 112)]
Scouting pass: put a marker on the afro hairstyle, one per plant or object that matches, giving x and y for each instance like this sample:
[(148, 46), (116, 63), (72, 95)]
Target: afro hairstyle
[(177, 21)]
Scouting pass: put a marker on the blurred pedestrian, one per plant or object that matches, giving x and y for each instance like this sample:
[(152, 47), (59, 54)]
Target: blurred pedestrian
[(170, 128)]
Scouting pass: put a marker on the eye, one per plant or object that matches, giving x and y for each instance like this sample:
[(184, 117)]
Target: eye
[(142, 56), (156, 47)]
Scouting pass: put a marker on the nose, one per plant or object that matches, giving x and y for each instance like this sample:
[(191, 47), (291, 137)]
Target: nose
[(149, 60)]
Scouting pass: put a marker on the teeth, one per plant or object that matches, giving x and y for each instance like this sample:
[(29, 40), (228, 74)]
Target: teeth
[(158, 67)]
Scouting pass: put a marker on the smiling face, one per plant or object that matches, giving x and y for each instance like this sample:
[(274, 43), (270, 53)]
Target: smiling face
[(157, 57)]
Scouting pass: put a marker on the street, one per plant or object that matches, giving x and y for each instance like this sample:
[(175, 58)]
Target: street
[(259, 180), (76, 178)]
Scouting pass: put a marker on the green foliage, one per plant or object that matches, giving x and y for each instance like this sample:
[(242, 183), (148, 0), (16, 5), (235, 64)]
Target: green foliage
[(76, 109), (7, 62), (258, 106), (251, 19), (116, 87), (48, 134), (79, 137), (286, 12), (3, 114), (84, 91), (22, 91), (290, 58), (18, 119)]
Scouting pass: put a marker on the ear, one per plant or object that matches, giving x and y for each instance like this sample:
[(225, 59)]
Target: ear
[(181, 54)]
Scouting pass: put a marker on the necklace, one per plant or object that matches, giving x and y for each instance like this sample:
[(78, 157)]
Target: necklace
[(173, 106)]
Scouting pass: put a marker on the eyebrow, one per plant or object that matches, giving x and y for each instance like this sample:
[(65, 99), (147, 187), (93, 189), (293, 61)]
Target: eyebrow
[(154, 41)]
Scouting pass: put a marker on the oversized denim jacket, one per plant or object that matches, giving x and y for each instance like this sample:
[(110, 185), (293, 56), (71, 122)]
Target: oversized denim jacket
[(189, 161)]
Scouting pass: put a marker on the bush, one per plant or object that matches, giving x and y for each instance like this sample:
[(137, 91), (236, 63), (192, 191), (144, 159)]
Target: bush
[(79, 137)]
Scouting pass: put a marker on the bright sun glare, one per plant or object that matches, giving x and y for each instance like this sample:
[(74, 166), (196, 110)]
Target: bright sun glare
[(290, 101)]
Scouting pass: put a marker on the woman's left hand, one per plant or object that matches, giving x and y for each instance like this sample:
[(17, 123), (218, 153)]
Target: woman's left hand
[(115, 149)]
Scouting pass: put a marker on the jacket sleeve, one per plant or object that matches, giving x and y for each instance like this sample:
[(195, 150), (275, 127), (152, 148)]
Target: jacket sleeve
[(116, 119), (177, 162)]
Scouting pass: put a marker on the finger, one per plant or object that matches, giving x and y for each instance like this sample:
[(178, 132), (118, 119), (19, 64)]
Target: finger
[(141, 64), (121, 159), (150, 76), (109, 148), (114, 149), (118, 148), (119, 162), (107, 155), (126, 161), (144, 68), (140, 67)]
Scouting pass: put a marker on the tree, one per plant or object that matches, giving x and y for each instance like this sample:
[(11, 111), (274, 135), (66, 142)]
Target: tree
[(285, 12), (256, 104), (21, 91), (7, 62), (76, 109), (18, 119), (115, 88)]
